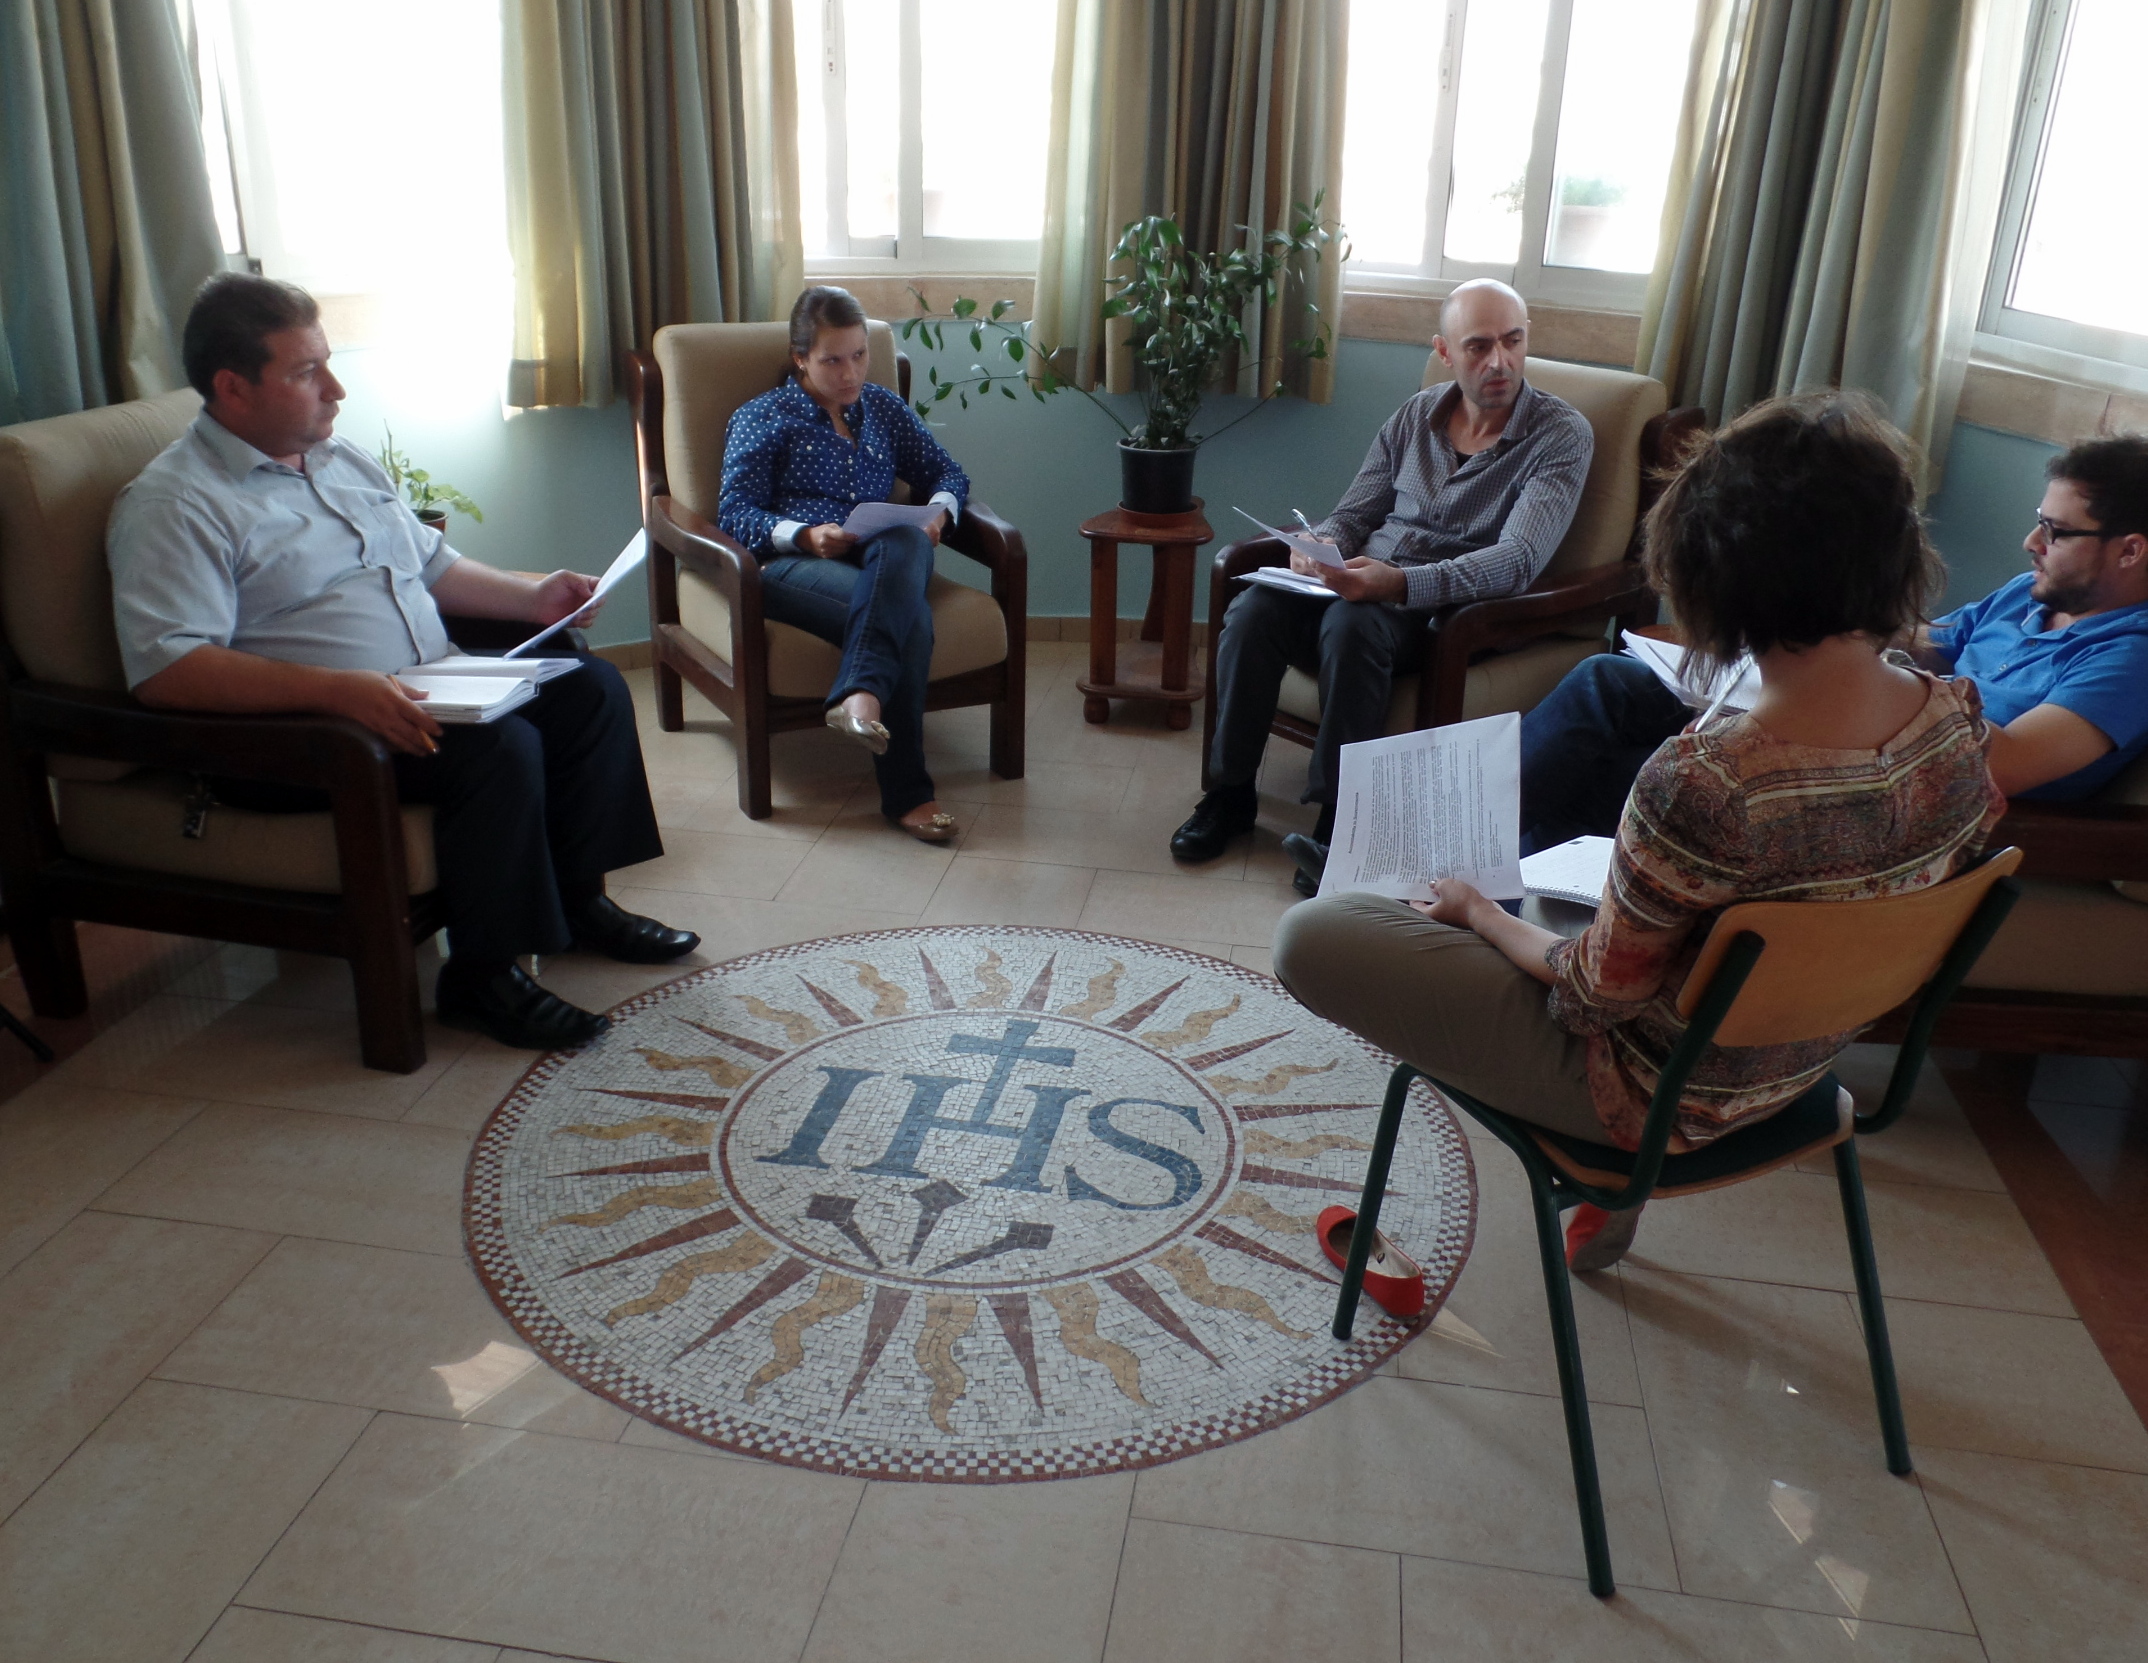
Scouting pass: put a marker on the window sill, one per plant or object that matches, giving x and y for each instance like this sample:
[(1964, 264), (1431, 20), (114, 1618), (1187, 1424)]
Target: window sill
[(2055, 397)]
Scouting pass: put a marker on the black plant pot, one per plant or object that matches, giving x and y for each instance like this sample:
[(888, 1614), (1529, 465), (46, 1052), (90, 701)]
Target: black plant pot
[(1156, 481)]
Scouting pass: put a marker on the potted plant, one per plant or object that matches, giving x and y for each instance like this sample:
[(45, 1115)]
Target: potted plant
[(430, 499), (1186, 310)]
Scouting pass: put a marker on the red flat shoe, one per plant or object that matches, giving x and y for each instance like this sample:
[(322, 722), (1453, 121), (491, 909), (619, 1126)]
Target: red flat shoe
[(1392, 1277), (1597, 1240)]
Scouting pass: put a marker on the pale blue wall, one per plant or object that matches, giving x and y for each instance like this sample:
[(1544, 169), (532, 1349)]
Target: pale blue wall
[(557, 486)]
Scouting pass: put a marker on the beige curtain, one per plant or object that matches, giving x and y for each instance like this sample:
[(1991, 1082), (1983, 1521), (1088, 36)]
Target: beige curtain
[(1219, 113), (106, 227), (652, 178), (1832, 203)]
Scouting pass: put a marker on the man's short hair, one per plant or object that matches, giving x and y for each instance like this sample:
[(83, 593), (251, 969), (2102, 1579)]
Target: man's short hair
[(233, 316), (1796, 522), (2112, 473)]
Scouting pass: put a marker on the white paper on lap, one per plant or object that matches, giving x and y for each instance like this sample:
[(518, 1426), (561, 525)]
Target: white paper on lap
[(870, 519), (1290, 582), (1320, 553), (1420, 807)]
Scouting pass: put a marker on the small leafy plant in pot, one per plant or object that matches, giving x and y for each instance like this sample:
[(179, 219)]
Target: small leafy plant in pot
[(1186, 310), (430, 499)]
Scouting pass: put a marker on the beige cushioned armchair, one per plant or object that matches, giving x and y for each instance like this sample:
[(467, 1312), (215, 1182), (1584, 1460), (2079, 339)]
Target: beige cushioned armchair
[(705, 591), (94, 791)]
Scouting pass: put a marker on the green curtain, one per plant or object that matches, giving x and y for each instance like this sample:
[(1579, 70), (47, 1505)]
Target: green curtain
[(652, 178), (1831, 204), (106, 226), (1219, 113)]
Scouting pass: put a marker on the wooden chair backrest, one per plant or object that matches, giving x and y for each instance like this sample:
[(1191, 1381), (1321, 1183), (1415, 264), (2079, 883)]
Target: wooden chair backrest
[(1831, 966)]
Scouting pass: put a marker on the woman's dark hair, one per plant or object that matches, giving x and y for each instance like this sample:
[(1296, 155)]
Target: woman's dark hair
[(823, 306), (1796, 522), (2112, 473), (233, 316)]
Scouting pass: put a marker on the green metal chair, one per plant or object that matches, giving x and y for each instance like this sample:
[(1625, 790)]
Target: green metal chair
[(1770, 973)]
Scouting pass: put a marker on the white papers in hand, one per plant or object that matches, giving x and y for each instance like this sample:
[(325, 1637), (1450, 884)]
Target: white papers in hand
[(1575, 871), (628, 558), (1420, 807), (870, 519), (1735, 688), (539, 670), (455, 700), (1320, 553), (1290, 582)]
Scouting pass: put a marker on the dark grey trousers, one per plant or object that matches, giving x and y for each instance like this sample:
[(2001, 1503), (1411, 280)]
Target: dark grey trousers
[(1354, 648)]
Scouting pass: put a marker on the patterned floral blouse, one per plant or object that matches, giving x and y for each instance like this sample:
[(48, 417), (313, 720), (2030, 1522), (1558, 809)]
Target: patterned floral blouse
[(1733, 814), (783, 461)]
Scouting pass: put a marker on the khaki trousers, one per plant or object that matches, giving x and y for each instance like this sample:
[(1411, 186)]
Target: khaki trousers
[(1442, 998)]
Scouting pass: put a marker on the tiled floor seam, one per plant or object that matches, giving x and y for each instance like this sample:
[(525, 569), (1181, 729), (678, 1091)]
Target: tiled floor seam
[(1648, 1424), (369, 1628), (1821, 1287), (340, 1241), (805, 1642), (1947, 1553), (297, 1513), (91, 1204)]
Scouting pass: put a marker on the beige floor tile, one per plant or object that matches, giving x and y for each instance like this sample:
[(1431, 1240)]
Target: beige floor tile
[(2055, 1559), (327, 1176), (1409, 1466), (412, 1332), (133, 1547), (980, 891), (1931, 1144), (867, 871), (949, 1573), (62, 1142), (303, 981), (474, 1085), (1125, 842), (273, 1055), (1455, 1612), (710, 863), (802, 810), (679, 797), (2001, 1383), (245, 1636), (1189, 1595), (1199, 909), (1769, 1446), (1961, 1247), (88, 1315), (561, 1544), (641, 1434), (1255, 958), (597, 983), (731, 929), (1086, 787), (1265, 860), (1495, 1330)]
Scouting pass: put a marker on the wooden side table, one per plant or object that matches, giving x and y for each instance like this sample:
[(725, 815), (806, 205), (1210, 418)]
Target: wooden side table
[(1160, 665)]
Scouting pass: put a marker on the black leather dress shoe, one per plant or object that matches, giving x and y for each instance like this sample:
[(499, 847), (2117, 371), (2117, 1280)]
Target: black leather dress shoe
[(1219, 817), (603, 926), (507, 1006), (1311, 857)]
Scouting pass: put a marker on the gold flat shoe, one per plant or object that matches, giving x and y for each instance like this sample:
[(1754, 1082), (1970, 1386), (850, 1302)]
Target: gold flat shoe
[(939, 829), (871, 735)]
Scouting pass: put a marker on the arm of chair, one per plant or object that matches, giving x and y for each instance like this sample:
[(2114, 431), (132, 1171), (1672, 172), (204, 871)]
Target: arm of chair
[(986, 538), (2077, 840), (697, 544), (324, 752), (1511, 620), (1234, 560)]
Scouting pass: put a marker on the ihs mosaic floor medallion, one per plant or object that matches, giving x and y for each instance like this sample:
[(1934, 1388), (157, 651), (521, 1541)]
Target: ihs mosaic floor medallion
[(956, 1204)]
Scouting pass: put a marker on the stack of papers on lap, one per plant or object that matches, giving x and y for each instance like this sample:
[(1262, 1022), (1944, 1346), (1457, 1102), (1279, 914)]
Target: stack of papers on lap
[(1416, 808), (1290, 582), (1575, 871), (539, 670), (458, 699), (1736, 687)]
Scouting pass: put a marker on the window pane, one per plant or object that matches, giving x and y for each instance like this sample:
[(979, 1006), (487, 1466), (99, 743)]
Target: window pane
[(814, 63), (2083, 251), (872, 59), (1388, 127), (1501, 73), (1618, 119), (987, 115)]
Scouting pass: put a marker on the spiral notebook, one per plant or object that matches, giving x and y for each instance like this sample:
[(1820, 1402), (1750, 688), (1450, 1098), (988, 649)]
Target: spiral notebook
[(1575, 871)]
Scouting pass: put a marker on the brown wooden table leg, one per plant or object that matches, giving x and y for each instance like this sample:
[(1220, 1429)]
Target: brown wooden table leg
[(1174, 578), (1103, 628)]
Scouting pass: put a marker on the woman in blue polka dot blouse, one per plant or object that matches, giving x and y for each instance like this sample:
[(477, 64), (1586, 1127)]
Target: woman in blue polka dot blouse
[(796, 461)]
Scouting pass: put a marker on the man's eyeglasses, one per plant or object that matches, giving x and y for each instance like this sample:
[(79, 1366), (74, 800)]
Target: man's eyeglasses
[(2056, 533)]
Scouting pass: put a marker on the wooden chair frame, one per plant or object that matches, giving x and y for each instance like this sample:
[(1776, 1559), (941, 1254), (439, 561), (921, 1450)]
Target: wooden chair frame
[(679, 536), (1461, 635)]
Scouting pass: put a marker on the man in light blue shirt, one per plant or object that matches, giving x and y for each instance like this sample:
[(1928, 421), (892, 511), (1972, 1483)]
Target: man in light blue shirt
[(262, 565)]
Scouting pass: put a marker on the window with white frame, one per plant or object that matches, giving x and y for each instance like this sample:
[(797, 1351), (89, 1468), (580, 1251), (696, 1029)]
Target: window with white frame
[(923, 127), (2067, 266), (1528, 140)]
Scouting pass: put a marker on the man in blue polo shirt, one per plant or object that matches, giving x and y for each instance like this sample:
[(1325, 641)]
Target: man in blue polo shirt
[(2059, 656)]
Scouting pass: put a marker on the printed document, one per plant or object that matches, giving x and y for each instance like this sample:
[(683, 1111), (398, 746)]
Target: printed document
[(1420, 807), (870, 519), (1320, 553), (1736, 687), (627, 560)]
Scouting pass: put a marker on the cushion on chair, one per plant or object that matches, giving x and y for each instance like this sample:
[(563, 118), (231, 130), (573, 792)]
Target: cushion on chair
[(710, 369), (137, 822), (1818, 1120), (1515, 680), (2068, 936), (969, 632)]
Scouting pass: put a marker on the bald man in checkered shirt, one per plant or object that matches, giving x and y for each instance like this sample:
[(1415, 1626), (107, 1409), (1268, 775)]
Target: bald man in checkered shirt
[(1464, 495)]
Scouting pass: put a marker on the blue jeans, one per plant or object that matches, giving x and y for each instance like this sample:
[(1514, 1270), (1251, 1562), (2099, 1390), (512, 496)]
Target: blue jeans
[(1582, 747), (872, 605)]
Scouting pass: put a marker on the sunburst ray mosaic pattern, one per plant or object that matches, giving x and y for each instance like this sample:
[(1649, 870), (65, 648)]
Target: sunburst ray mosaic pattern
[(956, 1204)]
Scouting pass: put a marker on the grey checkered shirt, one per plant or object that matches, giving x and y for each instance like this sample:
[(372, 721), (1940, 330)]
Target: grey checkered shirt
[(1466, 528)]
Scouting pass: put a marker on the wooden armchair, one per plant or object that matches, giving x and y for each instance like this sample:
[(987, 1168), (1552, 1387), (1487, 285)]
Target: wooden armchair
[(1485, 657), (706, 620), (95, 787)]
